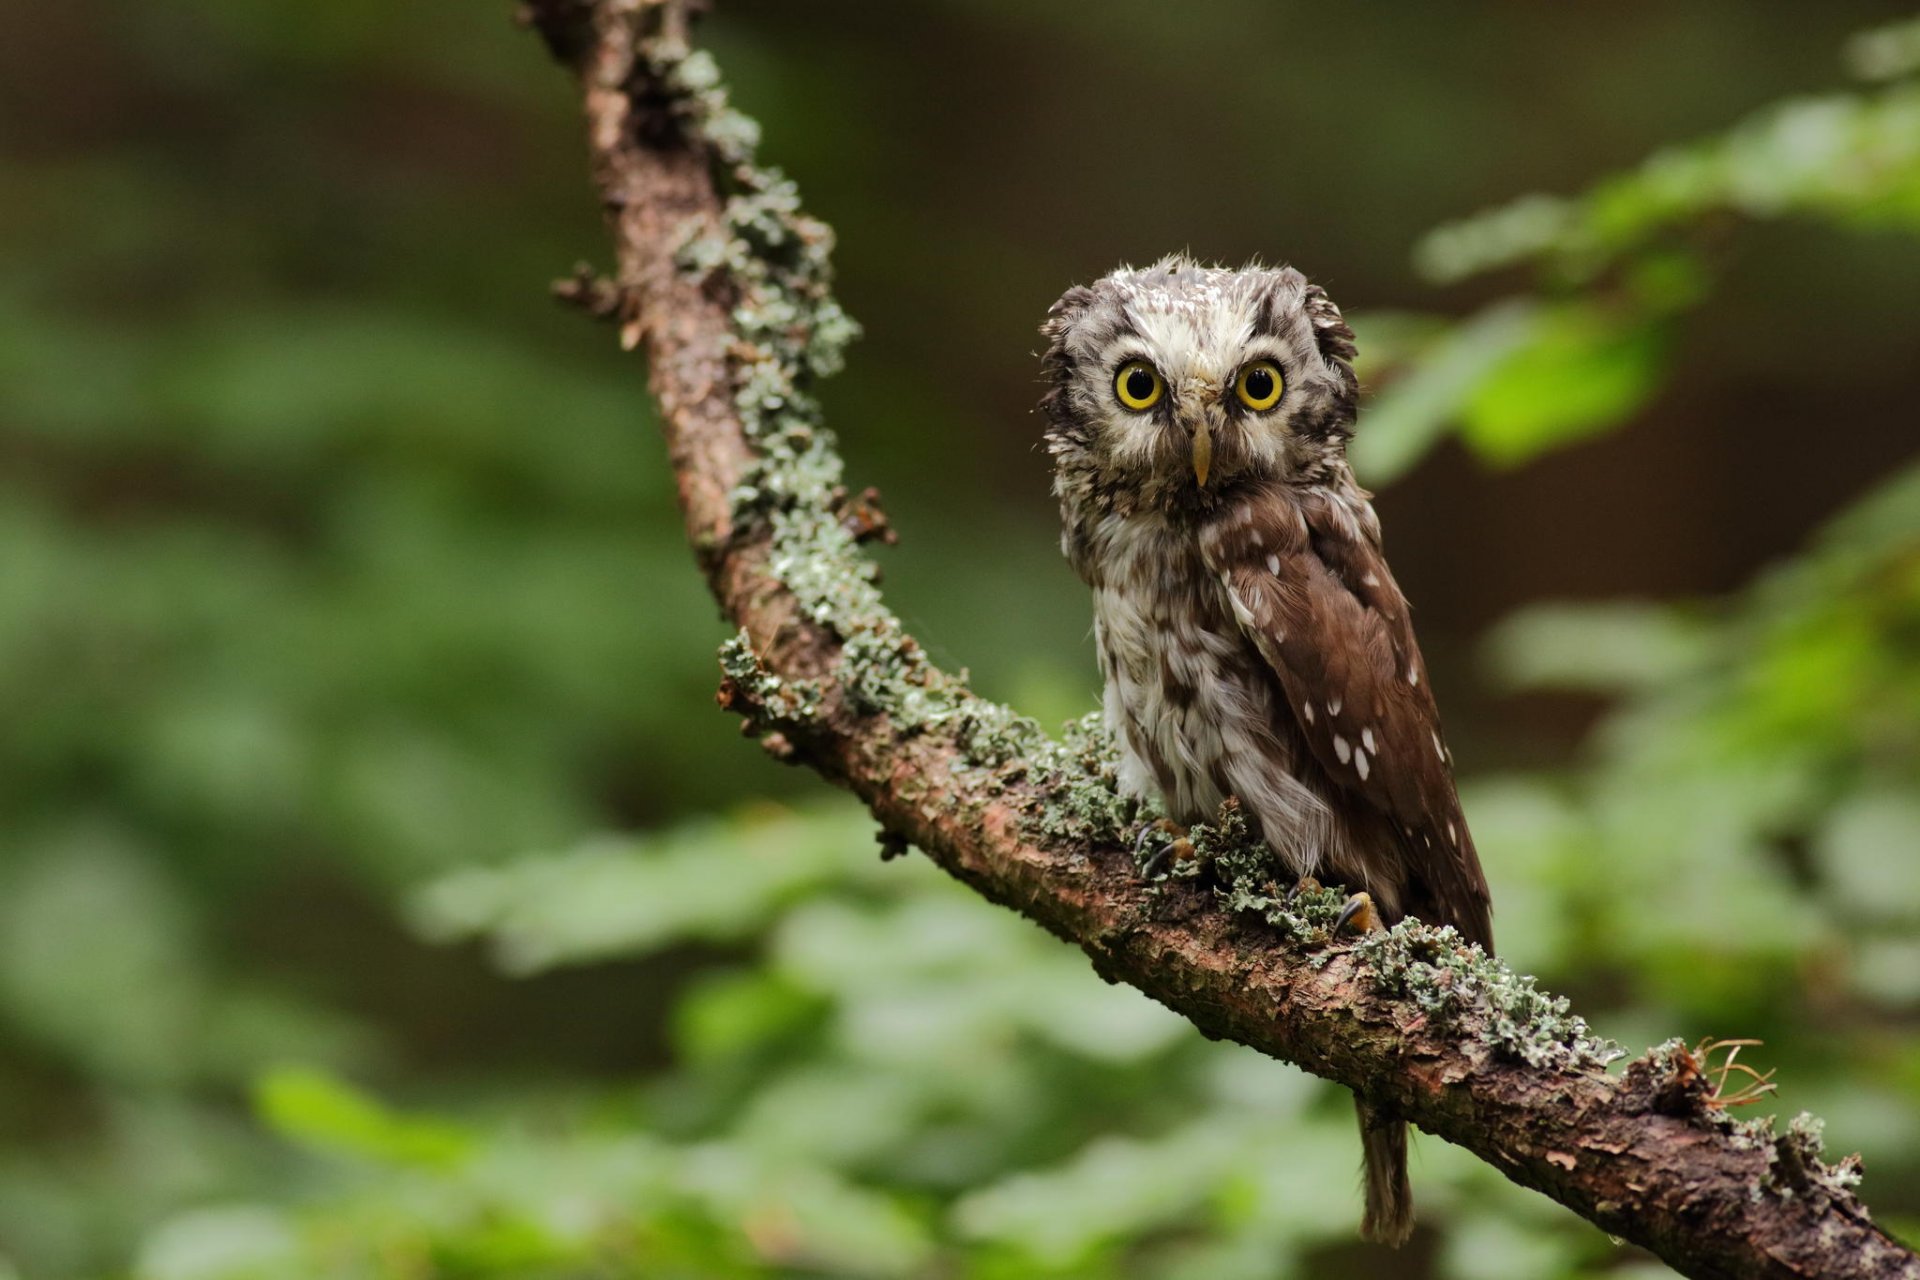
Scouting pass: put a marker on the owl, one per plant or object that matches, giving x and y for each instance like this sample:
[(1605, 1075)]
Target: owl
[(1252, 640)]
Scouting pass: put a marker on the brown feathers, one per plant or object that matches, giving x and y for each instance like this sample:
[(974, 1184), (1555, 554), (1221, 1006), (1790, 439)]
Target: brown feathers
[(1313, 594)]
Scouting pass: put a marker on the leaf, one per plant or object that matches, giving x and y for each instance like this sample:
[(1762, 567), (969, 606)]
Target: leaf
[(1510, 233), (1603, 648), (98, 957), (1846, 158), (323, 1112), (1580, 371), (1868, 848), (710, 880), (1885, 53), (1113, 1188), (1411, 414), (227, 1242)]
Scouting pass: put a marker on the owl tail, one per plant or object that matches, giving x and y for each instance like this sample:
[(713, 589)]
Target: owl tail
[(1383, 1136)]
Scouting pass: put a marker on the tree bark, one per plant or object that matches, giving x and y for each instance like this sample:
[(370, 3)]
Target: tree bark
[(722, 281)]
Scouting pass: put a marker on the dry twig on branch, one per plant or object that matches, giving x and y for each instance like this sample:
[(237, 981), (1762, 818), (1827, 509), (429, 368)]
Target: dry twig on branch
[(723, 282)]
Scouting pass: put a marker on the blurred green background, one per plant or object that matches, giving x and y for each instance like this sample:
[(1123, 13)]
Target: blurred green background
[(380, 893)]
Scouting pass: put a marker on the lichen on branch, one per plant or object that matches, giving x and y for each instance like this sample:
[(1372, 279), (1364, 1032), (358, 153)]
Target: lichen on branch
[(726, 284)]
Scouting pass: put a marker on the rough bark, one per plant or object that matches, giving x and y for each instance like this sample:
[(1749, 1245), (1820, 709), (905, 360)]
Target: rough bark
[(721, 281)]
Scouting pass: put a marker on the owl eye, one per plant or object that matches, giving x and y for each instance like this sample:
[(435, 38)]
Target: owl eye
[(1139, 385), (1259, 385)]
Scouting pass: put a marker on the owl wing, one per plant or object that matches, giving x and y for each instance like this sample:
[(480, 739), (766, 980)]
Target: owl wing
[(1311, 589)]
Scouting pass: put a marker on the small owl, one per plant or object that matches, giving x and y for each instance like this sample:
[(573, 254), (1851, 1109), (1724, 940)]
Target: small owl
[(1253, 642)]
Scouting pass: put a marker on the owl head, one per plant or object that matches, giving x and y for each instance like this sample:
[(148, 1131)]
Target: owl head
[(1174, 381)]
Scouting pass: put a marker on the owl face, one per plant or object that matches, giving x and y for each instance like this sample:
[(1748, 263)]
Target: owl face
[(1179, 379)]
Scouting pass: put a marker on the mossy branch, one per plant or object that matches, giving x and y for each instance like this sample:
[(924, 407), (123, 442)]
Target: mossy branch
[(724, 282)]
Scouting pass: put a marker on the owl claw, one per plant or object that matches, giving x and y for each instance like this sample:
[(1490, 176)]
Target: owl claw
[(1305, 884), (1359, 916), (1177, 848)]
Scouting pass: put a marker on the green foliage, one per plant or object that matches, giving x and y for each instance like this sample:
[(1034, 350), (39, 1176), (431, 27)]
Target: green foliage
[(1618, 265), (334, 579), (897, 1081), (618, 897), (1763, 760)]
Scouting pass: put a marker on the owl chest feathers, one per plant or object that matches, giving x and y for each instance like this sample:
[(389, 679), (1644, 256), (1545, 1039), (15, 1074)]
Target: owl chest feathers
[(1197, 713)]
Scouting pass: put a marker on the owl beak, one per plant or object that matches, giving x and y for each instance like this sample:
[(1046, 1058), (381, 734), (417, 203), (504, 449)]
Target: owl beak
[(1197, 408)]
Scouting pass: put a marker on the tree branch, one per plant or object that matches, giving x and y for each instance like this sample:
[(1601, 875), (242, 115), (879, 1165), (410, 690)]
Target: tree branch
[(723, 281)]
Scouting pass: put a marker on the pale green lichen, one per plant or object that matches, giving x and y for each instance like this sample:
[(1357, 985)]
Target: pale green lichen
[(1084, 802), (773, 261), (1796, 1165), (790, 702), (1808, 1134), (1458, 985)]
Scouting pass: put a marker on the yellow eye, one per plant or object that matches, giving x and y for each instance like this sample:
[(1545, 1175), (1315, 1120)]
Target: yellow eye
[(1259, 385), (1139, 385)]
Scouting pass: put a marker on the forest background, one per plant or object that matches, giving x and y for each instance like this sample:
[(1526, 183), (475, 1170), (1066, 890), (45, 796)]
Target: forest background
[(381, 895)]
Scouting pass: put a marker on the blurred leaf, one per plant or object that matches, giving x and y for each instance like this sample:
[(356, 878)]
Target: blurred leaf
[(1580, 371), (1116, 1187), (1589, 360), (1845, 157), (710, 880), (239, 1242), (1604, 648), (1411, 413), (1488, 1248), (323, 1112), (1515, 231), (98, 958), (728, 1017), (1857, 847), (1885, 53)]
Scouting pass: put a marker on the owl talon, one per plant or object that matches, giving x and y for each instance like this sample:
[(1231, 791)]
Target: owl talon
[(1358, 916), (1305, 884), (1177, 848), (1159, 826), (1178, 851)]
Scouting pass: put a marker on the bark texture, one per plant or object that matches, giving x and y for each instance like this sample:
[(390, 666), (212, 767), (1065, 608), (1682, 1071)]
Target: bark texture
[(722, 281)]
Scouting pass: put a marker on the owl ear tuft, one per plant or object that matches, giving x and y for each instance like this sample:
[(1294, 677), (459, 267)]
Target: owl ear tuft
[(1330, 330), (1062, 314), (1057, 364), (1334, 339)]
